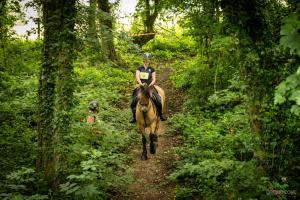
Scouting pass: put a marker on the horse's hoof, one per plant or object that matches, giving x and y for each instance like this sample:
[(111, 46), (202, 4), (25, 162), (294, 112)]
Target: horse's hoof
[(152, 148), (144, 157)]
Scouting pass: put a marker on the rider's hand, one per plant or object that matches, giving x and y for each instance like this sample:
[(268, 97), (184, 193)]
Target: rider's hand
[(151, 84)]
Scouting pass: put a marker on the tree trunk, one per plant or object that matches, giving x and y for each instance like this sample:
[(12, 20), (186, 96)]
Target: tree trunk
[(150, 14), (106, 24), (3, 19), (58, 19), (39, 16), (3, 32), (92, 36)]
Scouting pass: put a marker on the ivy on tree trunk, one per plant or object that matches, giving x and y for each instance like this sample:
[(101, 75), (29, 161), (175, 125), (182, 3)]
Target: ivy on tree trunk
[(92, 35), (3, 31), (106, 23), (55, 82)]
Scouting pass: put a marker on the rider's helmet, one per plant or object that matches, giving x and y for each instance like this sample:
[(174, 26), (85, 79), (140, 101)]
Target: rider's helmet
[(147, 56), (94, 105)]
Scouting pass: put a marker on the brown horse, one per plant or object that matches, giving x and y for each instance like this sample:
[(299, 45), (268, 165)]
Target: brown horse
[(147, 116)]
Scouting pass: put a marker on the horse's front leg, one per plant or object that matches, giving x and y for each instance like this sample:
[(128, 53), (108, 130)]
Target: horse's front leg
[(144, 154), (153, 137), (144, 141)]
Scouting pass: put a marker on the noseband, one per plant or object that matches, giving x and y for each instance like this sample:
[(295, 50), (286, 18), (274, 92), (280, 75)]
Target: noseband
[(144, 104)]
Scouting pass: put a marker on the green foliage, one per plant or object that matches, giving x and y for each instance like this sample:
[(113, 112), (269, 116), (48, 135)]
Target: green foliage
[(203, 75), (10, 11), (22, 184), (18, 104), (106, 81), (171, 45), (137, 25), (109, 137), (290, 33), (145, 16), (99, 147), (197, 78), (217, 155), (289, 89), (257, 65), (230, 63), (128, 50), (220, 159), (103, 172)]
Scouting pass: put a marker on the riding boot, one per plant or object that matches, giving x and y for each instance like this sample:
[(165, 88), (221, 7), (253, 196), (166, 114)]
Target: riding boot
[(133, 119), (133, 106), (158, 104)]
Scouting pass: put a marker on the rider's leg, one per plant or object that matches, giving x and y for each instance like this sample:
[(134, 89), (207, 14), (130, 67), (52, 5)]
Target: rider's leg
[(157, 100), (133, 105)]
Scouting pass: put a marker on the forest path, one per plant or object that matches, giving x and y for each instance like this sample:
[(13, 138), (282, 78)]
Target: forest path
[(150, 176)]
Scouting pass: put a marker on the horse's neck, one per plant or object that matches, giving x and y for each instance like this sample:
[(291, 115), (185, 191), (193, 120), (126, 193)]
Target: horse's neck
[(147, 98), (145, 95)]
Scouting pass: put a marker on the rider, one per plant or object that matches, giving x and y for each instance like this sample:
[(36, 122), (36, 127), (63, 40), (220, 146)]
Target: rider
[(146, 74), (94, 109)]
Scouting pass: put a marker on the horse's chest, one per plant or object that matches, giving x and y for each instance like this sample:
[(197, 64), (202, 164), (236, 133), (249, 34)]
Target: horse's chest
[(147, 121)]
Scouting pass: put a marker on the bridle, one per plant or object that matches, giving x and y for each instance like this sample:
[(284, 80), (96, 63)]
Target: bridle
[(144, 105)]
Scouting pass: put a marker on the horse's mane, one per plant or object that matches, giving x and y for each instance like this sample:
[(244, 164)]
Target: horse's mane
[(145, 90)]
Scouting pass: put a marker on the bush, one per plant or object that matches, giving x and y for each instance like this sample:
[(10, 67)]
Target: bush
[(221, 158), (18, 98), (95, 160), (171, 45), (202, 75)]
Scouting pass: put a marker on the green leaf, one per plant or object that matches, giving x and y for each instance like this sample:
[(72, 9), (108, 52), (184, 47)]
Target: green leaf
[(290, 33), (295, 109), (295, 97), (88, 191), (74, 189), (279, 99)]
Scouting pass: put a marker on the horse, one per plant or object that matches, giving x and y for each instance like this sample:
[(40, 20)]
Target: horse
[(147, 116)]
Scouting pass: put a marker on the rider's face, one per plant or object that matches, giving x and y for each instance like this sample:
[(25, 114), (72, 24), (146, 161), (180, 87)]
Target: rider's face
[(146, 61)]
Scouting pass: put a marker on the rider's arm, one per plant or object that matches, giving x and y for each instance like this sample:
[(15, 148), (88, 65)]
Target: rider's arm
[(153, 79), (137, 77)]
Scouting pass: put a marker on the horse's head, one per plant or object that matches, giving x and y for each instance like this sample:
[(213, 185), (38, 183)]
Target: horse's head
[(144, 97)]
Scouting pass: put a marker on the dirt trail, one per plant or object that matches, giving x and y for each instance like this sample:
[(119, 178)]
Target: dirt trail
[(151, 175)]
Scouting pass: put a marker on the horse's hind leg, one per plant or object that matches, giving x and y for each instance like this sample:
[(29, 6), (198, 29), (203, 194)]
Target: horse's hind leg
[(144, 154)]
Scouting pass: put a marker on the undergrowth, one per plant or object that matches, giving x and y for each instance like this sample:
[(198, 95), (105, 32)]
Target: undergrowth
[(96, 164)]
